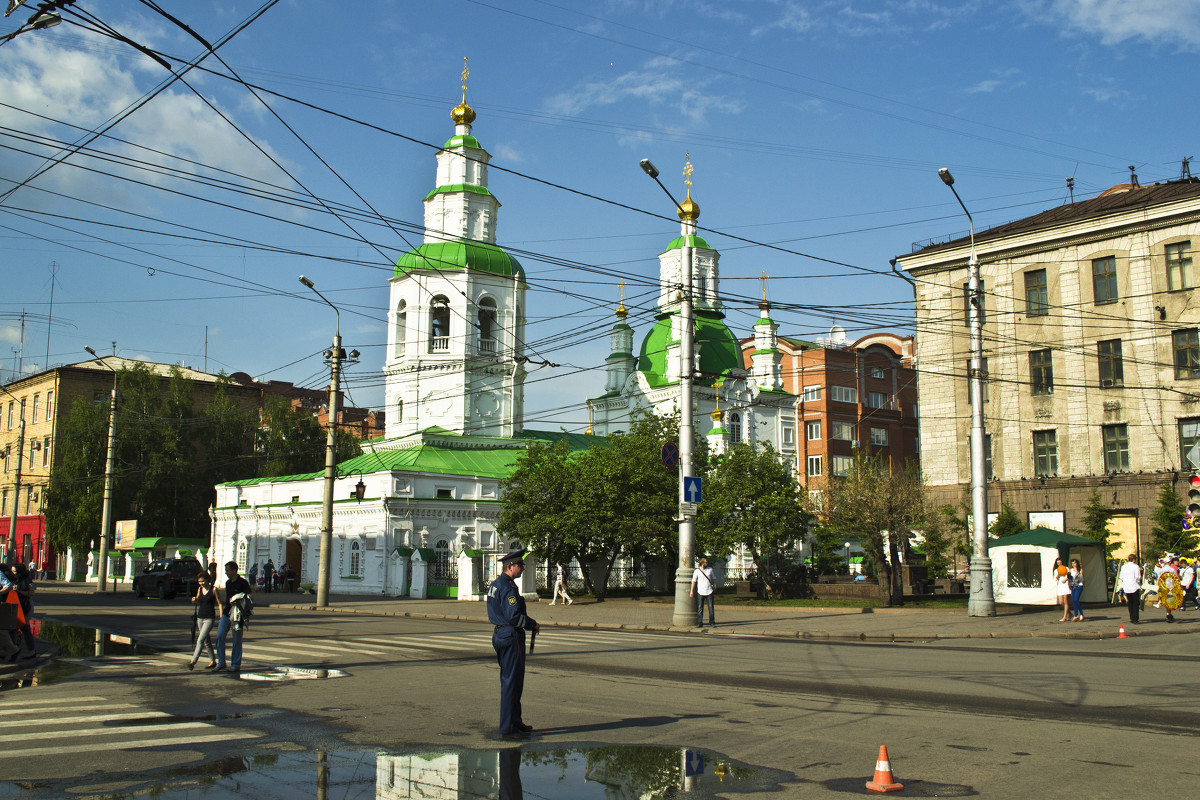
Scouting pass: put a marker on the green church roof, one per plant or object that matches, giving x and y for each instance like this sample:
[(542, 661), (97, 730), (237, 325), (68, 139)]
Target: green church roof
[(460, 254), (459, 187), (677, 243), (718, 347), (461, 141)]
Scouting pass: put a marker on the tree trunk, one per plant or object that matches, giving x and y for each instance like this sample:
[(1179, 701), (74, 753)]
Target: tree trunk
[(896, 587)]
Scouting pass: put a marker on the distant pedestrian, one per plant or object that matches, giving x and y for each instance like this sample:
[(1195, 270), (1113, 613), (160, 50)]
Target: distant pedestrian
[(1062, 588), (704, 590), (268, 574), (1188, 579), (24, 588), (237, 592), (506, 610), (252, 575), (206, 601), (1075, 581), (1130, 578), (560, 586)]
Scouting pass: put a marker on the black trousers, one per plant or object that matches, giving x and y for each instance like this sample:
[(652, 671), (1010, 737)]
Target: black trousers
[(1134, 601)]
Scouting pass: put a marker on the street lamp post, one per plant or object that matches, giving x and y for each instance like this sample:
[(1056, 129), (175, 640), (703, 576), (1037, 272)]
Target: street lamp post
[(847, 546), (110, 460), (684, 614), (981, 602), (335, 356), (12, 517)]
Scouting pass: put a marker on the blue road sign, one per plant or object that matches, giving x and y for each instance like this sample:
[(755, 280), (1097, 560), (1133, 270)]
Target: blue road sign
[(691, 490), (670, 454)]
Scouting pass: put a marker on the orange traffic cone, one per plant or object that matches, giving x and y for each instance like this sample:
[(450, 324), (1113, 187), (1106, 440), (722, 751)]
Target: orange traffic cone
[(883, 775), (1122, 635)]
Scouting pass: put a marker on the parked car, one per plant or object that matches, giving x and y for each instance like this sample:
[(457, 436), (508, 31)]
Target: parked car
[(168, 577)]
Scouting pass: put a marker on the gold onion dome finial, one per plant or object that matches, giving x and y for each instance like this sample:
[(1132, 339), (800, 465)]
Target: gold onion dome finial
[(764, 305), (716, 414), (622, 311), (689, 208), (463, 114)]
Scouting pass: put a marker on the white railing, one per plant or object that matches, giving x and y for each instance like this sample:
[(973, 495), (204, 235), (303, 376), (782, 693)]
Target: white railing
[(439, 344), (487, 346)]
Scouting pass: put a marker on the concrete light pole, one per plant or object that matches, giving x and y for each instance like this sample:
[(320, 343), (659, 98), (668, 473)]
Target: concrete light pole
[(109, 463), (684, 614), (981, 602), (335, 356)]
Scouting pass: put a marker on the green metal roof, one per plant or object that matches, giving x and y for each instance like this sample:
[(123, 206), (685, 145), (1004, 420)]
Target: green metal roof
[(1044, 537), (677, 242), (718, 347), (462, 141), (460, 254), (473, 188)]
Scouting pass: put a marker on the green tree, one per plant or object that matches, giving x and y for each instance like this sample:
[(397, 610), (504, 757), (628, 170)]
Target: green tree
[(751, 501), (290, 441), (1007, 522), (828, 556), (73, 500), (939, 540), (1095, 524), (878, 506), (1166, 525)]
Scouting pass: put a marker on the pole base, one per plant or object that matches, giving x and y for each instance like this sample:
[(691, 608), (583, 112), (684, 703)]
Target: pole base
[(981, 602)]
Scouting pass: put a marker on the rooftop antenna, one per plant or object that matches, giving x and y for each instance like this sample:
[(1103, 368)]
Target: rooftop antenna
[(1185, 170), (1133, 181), (1071, 188)]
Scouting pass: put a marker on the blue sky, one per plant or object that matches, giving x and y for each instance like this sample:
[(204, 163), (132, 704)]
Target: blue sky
[(816, 128)]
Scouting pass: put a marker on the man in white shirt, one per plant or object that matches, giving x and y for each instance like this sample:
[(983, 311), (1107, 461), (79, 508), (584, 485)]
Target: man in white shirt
[(1130, 578), (703, 590)]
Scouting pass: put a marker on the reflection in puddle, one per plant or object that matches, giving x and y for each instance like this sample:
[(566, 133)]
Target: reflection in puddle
[(74, 641), (581, 772)]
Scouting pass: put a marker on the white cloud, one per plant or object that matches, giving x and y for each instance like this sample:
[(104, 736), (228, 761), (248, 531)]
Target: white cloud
[(1157, 22), (895, 17), (1003, 82), (9, 334), (507, 154)]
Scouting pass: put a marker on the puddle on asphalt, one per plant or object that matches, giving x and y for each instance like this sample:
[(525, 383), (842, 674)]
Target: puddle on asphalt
[(581, 772), (75, 641)]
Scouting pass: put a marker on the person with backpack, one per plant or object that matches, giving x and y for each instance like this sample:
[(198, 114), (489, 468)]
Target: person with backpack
[(238, 597), (704, 590)]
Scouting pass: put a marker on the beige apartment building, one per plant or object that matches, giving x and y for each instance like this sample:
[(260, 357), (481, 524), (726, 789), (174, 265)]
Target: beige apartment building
[(1092, 357)]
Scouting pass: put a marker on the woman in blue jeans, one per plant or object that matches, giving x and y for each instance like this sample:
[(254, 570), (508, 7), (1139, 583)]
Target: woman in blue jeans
[(1075, 581)]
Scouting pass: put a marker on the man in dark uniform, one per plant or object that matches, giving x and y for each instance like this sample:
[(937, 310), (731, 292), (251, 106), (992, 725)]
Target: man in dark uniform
[(506, 610)]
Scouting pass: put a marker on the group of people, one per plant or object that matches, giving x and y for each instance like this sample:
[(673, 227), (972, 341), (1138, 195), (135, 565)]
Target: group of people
[(1175, 584), (17, 644), (272, 579), (1069, 589), (235, 604)]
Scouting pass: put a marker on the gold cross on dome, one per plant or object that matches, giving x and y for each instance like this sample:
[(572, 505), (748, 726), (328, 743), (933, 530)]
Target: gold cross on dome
[(465, 74), (688, 169), (622, 286), (763, 281)]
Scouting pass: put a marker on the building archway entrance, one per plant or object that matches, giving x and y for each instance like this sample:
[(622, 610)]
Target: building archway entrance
[(294, 558)]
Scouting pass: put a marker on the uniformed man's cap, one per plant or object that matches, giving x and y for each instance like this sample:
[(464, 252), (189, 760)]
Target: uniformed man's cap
[(515, 555)]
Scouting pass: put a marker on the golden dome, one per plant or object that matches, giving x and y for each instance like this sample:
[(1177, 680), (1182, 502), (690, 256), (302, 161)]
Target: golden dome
[(716, 415), (689, 208), (764, 306), (622, 311), (463, 114)]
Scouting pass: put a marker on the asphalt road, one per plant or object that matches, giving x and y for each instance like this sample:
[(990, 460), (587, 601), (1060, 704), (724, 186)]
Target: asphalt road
[(1110, 717)]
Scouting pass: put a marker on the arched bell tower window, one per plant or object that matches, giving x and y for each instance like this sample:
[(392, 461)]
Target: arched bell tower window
[(401, 328), (735, 427), (487, 325), (439, 325)]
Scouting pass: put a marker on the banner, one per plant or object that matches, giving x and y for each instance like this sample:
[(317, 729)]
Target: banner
[(126, 533)]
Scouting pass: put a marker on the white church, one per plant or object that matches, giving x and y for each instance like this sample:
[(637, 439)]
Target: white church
[(426, 522)]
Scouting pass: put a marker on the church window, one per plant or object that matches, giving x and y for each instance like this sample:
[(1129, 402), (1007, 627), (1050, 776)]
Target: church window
[(487, 325), (439, 325), (401, 328), (399, 409), (441, 563), (356, 559), (241, 556), (735, 427)]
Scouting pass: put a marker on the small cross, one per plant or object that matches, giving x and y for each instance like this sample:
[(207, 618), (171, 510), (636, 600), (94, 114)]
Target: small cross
[(465, 74), (763, 281), (621, 286), (688, 169)]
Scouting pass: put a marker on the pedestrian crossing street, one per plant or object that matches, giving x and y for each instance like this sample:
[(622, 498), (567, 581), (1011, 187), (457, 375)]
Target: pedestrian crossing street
[(68, 724), (463, 644)]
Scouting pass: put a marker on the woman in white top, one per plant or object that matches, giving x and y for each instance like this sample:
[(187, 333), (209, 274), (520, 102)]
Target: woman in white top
[(1063, 589), (560, 586)]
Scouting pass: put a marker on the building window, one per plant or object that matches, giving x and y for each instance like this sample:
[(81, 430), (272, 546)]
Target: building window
[(487, 325), (1189, 443), (5, 455), (439, 325), (4, 503), (1037, 298), (877, 373), (789, 435), (812, 430), (843, 394), (1104, 279), (46, 451), (356, 559), (843, 431), (401, 329), (399, 409), (241, 557), (814, 466), (811, 393), (1041, 371), (49, 406), (1179, 266), (876, 400), (444, 494), (735, 427), (36, 403), (1116, 448), (967, 303), (879, 437), (1045, 453), (841, 465), (1112, 368), (441, 563), (10, 415), (816, 500), (1186, 344)]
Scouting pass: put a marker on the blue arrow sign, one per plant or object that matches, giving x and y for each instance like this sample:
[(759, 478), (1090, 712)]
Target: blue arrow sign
[(691, 490)]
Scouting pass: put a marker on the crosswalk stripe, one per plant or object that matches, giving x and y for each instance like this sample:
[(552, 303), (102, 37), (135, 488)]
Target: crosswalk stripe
[(14, 714), (6, 755), (106, 731), (63, 701), (41, 723)]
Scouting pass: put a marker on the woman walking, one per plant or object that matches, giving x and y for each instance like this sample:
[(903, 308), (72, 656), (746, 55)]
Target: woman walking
[(1063, 589), (1075, 581), (206, 601), (560, 586)]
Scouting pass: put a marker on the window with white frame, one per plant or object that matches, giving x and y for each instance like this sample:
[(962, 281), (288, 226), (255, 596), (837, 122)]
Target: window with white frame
[(812, 430), (49, 406), (879, 437), (735, 427), (356, 559), (789, 434), (36, 407), (876, 400), (842, 431), (814, 466), (877, 373), (45, 451), (841, 465), (811, 393), (241, 557), (1179, 266), (843, 394)]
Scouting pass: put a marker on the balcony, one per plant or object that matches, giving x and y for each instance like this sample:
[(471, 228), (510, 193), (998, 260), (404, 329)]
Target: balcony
[(439, 344)]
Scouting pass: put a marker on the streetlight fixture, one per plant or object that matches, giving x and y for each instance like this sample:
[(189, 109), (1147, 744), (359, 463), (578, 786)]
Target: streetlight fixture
[(981, 601), (109, 463), (683, 614), (847, 546), (335, 357)]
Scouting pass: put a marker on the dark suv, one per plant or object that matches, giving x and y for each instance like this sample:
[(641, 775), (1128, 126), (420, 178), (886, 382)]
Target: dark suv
[(167, 577)]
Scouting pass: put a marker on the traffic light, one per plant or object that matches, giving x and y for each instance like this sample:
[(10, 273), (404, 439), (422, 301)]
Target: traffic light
[(1191, 513)]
